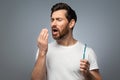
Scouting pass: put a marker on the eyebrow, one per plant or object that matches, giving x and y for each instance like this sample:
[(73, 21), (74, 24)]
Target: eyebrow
[(56, 18)]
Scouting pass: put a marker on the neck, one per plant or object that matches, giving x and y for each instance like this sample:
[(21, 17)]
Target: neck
[(69, 40)]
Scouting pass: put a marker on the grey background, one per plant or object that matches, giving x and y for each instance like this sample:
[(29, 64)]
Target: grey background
[(98, 25)]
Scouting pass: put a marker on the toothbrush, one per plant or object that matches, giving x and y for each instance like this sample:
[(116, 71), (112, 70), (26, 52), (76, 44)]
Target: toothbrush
[(84, 51)]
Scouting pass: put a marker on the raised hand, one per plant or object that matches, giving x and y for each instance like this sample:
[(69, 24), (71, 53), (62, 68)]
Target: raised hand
[(43, 41)]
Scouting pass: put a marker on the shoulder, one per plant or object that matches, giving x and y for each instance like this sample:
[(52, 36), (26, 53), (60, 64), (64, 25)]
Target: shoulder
[(90, 52)]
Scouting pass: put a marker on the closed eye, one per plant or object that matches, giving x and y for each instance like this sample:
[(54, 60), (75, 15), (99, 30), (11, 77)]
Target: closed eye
[(59, 19)]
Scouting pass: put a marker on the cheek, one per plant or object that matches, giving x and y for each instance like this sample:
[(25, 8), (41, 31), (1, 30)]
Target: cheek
[(62, 26)]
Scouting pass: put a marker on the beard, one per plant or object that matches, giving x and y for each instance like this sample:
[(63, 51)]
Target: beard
[(58, 35)]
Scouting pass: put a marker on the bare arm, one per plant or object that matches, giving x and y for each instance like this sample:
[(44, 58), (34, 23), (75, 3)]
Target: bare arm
[(89, 74), (93, 75), (39, 70), (96, 75)]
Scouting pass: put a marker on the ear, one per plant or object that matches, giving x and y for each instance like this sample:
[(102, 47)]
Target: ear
[(72, 23)]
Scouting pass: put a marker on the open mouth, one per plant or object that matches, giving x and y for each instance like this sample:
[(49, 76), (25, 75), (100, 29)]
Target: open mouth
[(54, 31)]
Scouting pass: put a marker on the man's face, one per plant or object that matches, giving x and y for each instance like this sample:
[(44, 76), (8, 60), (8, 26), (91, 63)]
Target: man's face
[(59, 24)]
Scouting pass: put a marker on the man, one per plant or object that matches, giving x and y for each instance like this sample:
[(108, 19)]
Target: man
[(63, 59)]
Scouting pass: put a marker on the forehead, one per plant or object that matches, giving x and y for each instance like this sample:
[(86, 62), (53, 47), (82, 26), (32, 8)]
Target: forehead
[(59, 13)]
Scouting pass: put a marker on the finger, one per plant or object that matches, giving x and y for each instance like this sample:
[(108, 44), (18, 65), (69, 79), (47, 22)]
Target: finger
[(84, 71), (43, 34), (40, 37), (84, 65), (46, 34), (46, 37), (84, 61)]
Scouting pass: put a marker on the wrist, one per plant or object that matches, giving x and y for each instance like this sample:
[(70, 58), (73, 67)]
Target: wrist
[(42, 53), (89, 76)]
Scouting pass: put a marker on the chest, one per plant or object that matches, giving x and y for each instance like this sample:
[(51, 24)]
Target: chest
[(64, 59)]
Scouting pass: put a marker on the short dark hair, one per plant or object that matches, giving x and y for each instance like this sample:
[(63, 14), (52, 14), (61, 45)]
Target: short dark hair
[(70, 12)]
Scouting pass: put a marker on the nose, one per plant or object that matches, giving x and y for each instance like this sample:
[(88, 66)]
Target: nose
[(53, 23)]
